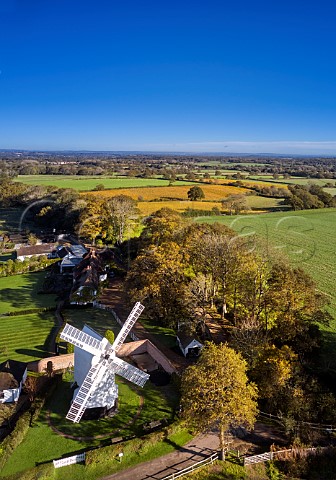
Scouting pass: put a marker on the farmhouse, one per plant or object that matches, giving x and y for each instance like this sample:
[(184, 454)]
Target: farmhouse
[(86, 278), (71, 256), (12, 377), (47, 249), (189, 345)]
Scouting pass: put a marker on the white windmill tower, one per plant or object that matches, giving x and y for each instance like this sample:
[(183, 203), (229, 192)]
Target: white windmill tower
[(104, 365)]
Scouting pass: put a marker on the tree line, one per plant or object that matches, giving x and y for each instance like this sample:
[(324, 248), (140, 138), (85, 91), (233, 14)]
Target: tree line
[(186, 273)]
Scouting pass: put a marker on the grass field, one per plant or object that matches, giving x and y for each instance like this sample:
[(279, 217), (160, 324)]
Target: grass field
[(87, 183), (294, 180), (25, 337), (307, 238), (99, 320), (42, 444), (21, 292)]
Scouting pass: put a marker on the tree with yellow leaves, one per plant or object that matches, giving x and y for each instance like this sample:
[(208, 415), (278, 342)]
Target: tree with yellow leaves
[(216, 392)]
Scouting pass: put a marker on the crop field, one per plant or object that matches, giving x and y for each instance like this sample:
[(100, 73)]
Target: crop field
[(21, 292), (25, 337), (306, 238), (175, 192), (87, 183)]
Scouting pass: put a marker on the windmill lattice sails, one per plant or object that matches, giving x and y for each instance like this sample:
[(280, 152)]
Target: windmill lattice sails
[(104, 365)]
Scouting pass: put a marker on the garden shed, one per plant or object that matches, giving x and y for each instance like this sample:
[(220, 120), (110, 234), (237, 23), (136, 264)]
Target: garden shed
[(190, 346)]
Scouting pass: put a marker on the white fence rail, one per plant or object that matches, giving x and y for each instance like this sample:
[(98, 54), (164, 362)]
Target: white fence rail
[(63, 462), (101, 306), (292, 452), (192, 467), (263, 457)]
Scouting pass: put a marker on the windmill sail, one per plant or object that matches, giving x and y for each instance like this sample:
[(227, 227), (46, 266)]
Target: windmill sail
[(133, 374), (77, 408), (104, 365), (126, 328), (82, 340)]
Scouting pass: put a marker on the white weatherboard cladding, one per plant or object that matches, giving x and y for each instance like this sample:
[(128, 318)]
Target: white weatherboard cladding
[(194, 344), (11, 395), (106, 392)]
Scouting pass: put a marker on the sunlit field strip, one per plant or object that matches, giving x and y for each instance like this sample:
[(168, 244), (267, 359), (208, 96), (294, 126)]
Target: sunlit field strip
[(211, 192)]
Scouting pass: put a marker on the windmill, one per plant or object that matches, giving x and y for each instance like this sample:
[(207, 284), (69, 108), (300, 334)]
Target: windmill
[(104, 364)]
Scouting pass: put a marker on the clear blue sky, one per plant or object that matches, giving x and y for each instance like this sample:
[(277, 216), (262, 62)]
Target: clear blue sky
[(178, 76)]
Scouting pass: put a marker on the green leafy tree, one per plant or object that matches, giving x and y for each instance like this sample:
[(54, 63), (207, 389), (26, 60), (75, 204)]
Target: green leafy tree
[(216, 392), (195, 193), (109, 335)]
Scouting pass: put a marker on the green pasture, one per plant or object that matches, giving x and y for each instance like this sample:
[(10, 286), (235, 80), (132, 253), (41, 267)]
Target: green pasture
[(257, 202), (306, 237), (25, 337), (22, 292), (294, 180), (42, 444), (88, 183)]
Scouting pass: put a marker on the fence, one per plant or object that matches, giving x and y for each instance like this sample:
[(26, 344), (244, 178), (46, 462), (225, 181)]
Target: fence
[(263, 457), (192, 468), (63, 462), (291, 452), (101, 306), (315, 426)]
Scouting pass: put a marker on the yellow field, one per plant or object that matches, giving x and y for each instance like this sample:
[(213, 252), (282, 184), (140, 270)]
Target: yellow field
[(147, 208), (212, 193)]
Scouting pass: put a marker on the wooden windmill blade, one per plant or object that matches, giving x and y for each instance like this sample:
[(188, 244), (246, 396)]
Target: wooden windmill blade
[(82, 340), (87, 388), (131, 373), (126, 328)]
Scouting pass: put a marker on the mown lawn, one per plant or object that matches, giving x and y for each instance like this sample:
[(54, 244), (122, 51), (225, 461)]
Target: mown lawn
[(99, 320), (89, 183), (25, 337), (43, 445), (21, 292)]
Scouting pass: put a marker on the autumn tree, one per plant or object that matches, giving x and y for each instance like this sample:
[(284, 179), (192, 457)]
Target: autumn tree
[(157, 278), (91, 220), (234, 204), (121, 215), (216, 392), (195, 193), (161, 226)]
